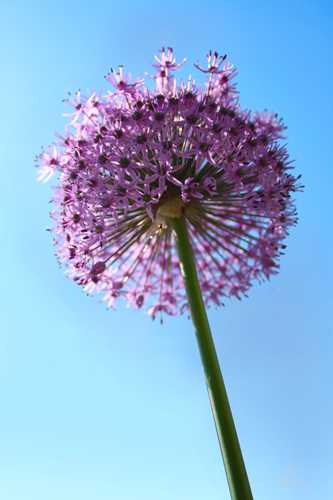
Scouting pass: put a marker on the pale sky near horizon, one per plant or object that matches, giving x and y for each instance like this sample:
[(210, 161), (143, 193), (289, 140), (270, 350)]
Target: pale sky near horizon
[(99, 404)]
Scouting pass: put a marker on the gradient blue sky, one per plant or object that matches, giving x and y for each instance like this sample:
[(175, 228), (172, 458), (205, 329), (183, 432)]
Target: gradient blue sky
[(97, 404)]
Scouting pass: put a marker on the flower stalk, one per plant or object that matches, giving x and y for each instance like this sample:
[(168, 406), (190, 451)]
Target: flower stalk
[(238, 481)]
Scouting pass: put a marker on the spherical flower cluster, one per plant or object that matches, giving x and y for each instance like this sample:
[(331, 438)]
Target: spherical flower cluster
[(131, 159)]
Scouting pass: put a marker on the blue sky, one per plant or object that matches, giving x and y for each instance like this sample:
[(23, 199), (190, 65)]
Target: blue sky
[(108, 404)]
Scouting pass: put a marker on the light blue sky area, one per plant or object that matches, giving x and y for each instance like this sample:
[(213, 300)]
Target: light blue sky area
[(102, 405)]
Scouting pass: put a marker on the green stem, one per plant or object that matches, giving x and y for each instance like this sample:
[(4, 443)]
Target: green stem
[(239, 485)]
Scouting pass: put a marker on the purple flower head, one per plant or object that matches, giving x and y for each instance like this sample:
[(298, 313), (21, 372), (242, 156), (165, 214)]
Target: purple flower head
[(136, 157)]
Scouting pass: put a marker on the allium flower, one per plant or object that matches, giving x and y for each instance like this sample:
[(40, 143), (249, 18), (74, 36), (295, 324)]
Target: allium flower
[(135, 157)]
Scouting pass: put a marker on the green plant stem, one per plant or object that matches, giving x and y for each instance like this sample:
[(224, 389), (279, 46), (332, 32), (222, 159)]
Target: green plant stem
[(239, 485)]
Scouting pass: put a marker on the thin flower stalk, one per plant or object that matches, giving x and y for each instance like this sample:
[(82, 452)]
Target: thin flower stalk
[(238, 481)]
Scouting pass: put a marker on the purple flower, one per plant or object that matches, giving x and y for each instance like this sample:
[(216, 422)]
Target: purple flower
[(135, 157), (121, 82)]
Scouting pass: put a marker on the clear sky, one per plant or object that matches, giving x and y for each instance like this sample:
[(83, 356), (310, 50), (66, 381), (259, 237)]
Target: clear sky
[(102, 405)]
